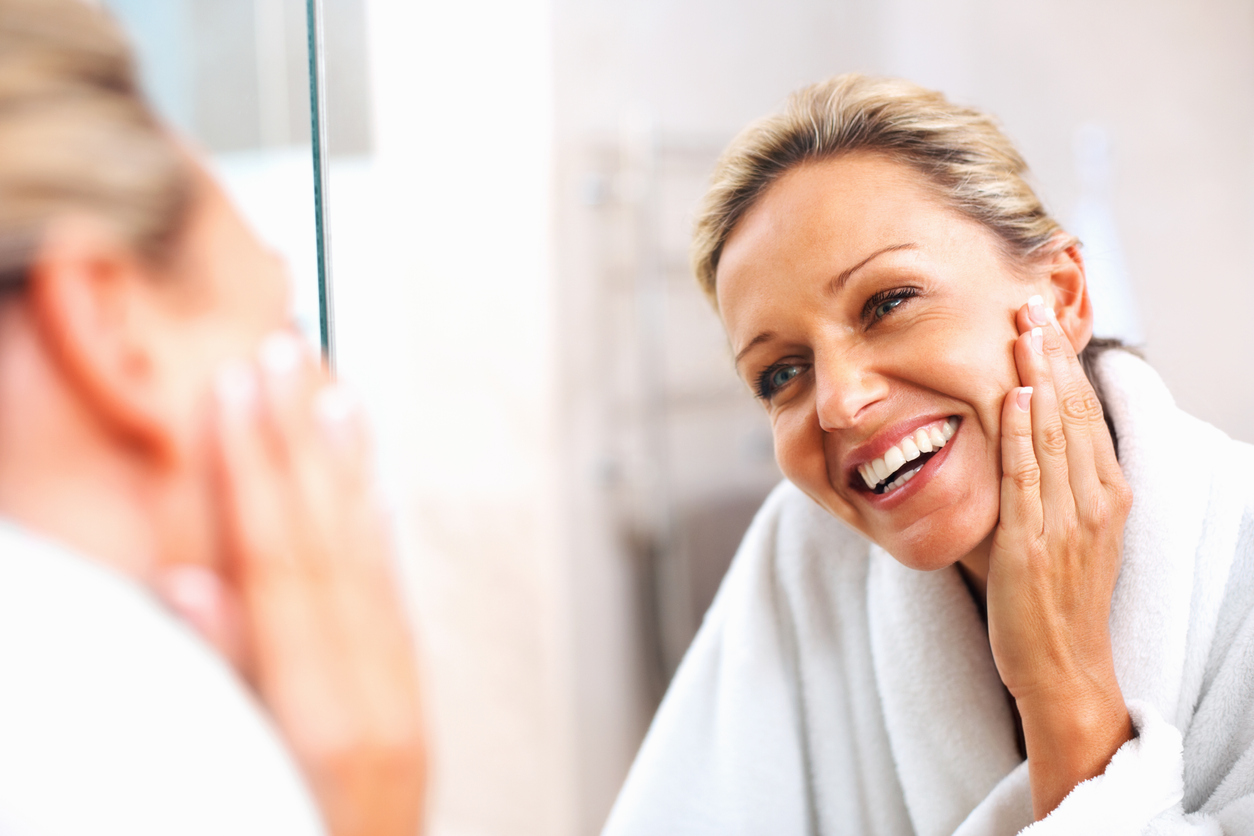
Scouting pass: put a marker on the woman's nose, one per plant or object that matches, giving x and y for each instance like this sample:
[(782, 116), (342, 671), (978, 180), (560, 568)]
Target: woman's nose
[(844, 390)]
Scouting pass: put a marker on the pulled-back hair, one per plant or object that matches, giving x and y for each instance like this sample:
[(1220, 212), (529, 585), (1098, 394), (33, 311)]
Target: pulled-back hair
[(961, 151), (76, 134)]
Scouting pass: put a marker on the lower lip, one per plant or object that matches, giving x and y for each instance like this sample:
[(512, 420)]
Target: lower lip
[(888, 501)]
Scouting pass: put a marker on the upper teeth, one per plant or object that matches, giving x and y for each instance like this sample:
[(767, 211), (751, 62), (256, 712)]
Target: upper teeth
[(923, 440)]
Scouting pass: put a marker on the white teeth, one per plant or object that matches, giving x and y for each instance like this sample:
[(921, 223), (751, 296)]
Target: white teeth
[(868, 476), (901, 480), (923, 440)]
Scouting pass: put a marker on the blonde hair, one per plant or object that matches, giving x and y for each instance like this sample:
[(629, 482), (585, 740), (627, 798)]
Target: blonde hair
[(76, 134), (961, 151)]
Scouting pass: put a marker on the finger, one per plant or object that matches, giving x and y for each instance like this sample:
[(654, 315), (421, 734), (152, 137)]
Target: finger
[(360, 586), (359, 568), (1021, 510), (342, 427), (1090, 451), (248, 478), (246, 483), (1049, 440), (264, 557), (291, 381)]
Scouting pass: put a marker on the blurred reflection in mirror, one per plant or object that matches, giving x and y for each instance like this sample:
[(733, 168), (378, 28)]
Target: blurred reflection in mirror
[(234, 76), (174, 460)]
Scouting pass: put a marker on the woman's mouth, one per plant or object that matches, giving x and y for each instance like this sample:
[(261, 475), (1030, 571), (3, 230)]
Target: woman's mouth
[(899, 464)]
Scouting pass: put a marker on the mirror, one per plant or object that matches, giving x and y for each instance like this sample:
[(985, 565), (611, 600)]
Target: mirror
[(238, 77)]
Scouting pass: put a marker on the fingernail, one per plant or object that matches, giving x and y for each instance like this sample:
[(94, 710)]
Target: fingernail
[(280, 354), (336, 407), (236, 388), (1037, 312), (1037, 338), (1024, 398)]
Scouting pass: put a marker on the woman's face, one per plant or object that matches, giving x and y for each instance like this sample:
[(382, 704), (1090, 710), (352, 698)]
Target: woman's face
[(221, 294), (227, 293), (869, 317)]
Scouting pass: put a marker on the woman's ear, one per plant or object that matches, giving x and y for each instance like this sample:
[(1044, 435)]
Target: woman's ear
[(91, 300), (1070, 295)]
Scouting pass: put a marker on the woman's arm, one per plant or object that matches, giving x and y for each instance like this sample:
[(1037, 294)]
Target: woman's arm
[(1054, 562), (309, 612)]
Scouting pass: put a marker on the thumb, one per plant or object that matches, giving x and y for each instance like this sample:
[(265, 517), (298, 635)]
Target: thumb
[(199, 596)]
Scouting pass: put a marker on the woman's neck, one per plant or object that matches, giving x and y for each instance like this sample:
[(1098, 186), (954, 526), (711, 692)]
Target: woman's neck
[(974, 569), (61, 473)]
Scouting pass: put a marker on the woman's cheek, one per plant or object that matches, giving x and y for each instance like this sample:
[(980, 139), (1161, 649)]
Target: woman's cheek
[(801, 454)]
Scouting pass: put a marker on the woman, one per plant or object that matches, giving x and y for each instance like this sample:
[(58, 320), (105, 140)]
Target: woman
[(163, 434), (1051, 619)]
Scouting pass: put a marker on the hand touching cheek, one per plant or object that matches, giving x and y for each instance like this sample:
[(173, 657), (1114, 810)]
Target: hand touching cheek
[(308, 609), (1054, 562)]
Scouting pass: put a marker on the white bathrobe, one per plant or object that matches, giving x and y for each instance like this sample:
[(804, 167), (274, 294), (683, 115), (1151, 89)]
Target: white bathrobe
[(117, 720), (831, 690)]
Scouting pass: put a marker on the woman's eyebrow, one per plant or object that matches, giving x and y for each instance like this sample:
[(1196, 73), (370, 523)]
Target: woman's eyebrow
[(839, 282), (833, 286), (760, 338)]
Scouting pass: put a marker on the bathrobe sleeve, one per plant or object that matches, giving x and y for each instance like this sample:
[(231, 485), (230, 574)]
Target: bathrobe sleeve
[(773, 723), (723, 755), (1201, 782)]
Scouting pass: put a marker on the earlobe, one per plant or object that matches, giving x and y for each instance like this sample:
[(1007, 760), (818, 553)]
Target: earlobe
[(1070, 301), (84, 287)]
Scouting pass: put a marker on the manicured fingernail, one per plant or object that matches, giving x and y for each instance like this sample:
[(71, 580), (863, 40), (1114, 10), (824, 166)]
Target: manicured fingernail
[(1037, 312), (336, 407), (280, 354), (1037, 338), (1024, 398), (236, 388)]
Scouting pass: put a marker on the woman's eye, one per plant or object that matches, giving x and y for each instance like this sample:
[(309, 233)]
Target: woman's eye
[(885, 302), (781, 376), (883, 309), (775, 378)]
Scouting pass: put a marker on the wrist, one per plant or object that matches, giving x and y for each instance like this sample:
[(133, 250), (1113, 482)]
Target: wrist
[(1075, 713), (1071, 730)]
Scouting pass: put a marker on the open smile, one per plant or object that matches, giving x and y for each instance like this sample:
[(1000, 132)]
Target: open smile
[(901, 462)]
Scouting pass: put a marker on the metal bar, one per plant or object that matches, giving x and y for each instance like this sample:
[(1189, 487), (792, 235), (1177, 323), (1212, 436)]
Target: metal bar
[(318, 132)]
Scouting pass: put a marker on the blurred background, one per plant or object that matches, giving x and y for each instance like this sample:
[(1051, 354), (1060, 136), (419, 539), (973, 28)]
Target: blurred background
[(571, 460)]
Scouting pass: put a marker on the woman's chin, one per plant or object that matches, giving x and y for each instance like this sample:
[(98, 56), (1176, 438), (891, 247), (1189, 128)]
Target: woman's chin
[(935, 550), (925, 561)]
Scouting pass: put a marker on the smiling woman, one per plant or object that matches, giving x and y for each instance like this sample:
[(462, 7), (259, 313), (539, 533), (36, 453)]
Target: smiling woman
[(999, 633)]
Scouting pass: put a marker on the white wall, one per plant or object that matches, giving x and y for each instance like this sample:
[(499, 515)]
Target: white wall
[(443, 300)]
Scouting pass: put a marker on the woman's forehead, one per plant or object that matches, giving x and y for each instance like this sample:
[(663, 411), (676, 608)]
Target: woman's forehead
[(825, 217)]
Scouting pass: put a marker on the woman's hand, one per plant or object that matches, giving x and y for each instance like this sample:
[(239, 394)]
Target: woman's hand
[(1054, 562), (309, 612)]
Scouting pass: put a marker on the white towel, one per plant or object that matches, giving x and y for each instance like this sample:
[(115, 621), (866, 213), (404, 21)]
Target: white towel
[(832, 690)]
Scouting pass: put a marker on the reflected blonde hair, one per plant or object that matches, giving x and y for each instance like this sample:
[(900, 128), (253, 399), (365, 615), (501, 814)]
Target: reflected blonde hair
[(76, 134), (960, 150)]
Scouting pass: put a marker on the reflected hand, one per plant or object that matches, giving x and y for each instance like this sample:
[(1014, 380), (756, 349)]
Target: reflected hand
[(1054, 562), (320, 633)]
